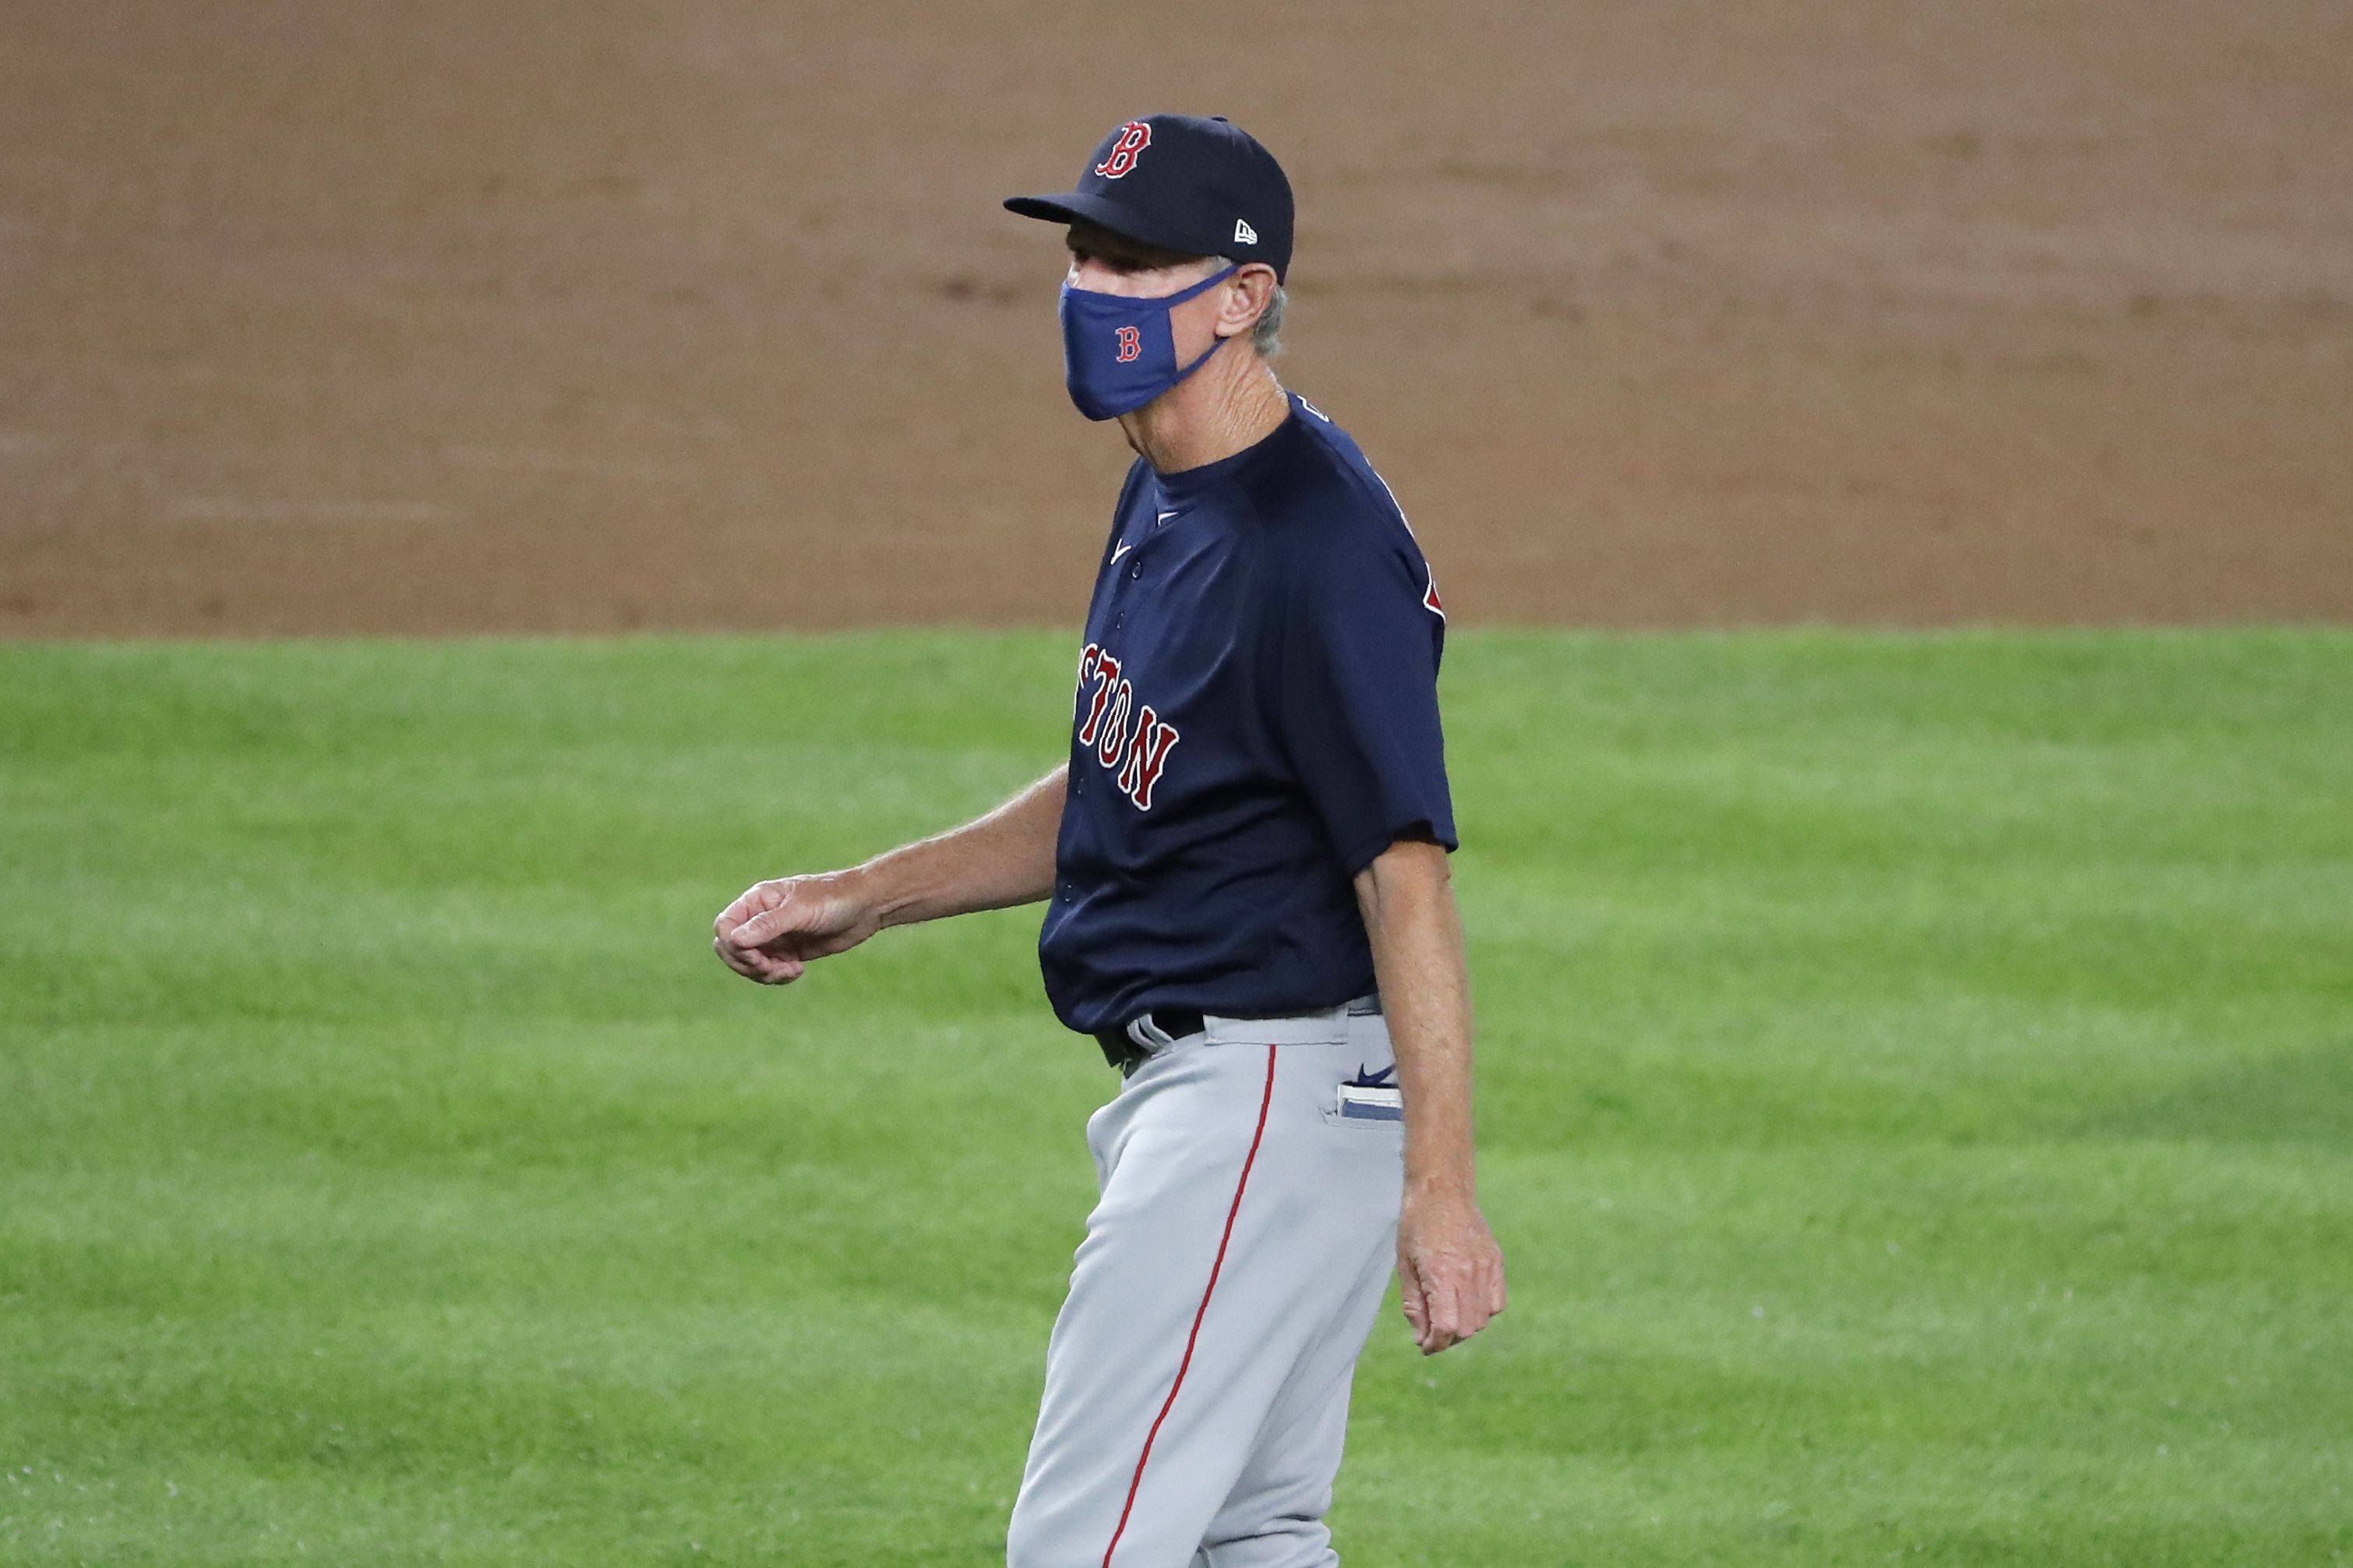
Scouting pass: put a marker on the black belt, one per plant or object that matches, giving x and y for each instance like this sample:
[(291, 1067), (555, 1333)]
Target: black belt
[(1120, 1050)]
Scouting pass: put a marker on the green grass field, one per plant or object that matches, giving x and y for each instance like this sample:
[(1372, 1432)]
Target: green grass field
[(1916, 1077)]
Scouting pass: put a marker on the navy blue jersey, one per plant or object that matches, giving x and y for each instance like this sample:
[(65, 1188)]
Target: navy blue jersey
[(1257, 720)]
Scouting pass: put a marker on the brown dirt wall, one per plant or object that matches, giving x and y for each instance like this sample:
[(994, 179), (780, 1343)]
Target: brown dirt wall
[(576, 314)]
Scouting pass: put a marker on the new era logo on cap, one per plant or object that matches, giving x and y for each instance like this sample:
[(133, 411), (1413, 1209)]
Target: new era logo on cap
[(1244, 234)]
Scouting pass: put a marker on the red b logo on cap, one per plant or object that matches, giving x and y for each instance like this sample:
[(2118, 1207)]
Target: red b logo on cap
[(1133, 138), (1131, 345)]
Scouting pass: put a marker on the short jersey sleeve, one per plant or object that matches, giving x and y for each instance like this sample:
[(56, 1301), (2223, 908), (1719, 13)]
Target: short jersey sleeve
[(1356, 694)]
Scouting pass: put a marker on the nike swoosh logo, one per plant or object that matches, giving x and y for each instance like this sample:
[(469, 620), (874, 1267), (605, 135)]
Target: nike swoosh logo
[(1119, 551)]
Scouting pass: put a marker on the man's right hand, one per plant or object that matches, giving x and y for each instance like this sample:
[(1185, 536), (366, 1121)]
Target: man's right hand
[(771, 933)]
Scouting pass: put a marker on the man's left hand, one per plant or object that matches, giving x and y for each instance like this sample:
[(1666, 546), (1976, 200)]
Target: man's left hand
[(1448, 1268)]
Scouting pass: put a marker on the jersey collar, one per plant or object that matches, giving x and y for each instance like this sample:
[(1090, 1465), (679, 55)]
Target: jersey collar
[(1188, 485)]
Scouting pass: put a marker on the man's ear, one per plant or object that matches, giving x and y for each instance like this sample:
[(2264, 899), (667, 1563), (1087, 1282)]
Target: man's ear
[(1246, 297)]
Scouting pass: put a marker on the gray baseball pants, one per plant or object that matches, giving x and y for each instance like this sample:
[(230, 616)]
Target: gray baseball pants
[(1196, 1382)]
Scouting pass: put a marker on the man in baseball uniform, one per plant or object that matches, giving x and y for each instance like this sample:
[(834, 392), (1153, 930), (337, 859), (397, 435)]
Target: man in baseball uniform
[(1243, 860)]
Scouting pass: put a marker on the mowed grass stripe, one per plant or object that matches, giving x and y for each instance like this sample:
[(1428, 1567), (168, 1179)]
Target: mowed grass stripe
[(1917, 1091)]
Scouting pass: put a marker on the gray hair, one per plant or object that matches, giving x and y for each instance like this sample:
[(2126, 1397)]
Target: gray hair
[(1266, 332)]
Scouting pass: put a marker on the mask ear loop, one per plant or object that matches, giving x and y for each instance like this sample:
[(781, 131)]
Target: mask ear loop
[(1178, 299)]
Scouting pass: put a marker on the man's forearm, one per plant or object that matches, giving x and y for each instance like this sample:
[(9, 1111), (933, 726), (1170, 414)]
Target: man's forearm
[(1408, 901), (1006, 857), (1449, 1271)]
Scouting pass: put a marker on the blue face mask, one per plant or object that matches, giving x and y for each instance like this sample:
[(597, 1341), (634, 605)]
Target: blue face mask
[(1120, 353)]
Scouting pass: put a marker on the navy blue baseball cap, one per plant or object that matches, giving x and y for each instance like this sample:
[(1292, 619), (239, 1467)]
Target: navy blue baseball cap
[(1203, 187)]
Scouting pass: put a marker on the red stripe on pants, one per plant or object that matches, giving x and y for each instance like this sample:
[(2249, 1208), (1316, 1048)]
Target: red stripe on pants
[(1265, 1100)]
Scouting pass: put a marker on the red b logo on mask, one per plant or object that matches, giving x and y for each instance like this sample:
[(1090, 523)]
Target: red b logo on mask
[(1131, 343), (1133, 138)]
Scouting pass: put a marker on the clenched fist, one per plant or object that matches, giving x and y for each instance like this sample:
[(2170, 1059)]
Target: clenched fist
[(771, 933)]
